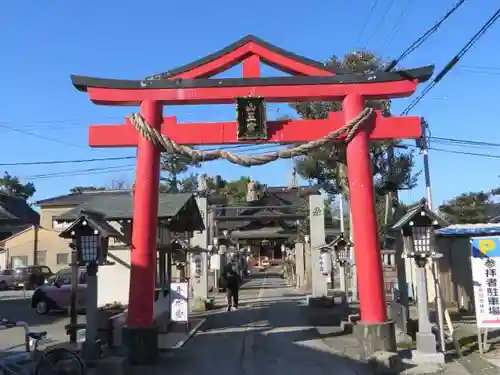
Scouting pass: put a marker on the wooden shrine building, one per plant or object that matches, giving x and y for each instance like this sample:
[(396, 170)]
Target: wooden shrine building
[(268, 222)]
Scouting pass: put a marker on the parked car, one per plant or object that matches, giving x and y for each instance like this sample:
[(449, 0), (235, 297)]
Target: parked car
[(30, 277), (55, 294), (6, 279)]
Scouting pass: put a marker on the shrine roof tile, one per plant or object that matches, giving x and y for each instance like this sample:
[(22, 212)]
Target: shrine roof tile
[(75, 199), (120, 206), (96, 221), (13, 208), (414, 211)]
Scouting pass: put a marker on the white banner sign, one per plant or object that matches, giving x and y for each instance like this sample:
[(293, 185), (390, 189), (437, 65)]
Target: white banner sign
[(179, 302), (485, 264)]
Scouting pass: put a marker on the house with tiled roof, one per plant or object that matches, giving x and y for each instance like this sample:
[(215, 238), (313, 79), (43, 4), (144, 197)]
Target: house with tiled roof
[(42, 245), (15, 215)]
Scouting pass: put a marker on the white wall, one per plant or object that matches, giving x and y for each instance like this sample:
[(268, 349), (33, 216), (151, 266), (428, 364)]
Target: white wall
[(3, 259), (114, 281)]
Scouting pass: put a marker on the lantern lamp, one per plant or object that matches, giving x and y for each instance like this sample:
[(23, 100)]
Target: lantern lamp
[(90, 234), (417, 228)]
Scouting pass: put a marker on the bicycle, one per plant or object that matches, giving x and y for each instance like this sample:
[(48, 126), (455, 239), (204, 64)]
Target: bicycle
[(32, 361)]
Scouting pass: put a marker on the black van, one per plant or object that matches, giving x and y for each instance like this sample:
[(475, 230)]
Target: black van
[(30, 277)]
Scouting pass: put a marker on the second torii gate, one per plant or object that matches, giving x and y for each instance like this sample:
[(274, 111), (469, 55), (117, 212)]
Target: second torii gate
[(190, 85)]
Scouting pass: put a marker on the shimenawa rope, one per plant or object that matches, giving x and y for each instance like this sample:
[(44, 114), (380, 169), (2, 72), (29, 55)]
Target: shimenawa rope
[(167, 145)]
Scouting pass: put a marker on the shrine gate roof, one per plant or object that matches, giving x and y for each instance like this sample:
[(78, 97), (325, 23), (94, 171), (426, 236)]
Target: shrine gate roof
[(304, 71), (82, 83), (238, 45)]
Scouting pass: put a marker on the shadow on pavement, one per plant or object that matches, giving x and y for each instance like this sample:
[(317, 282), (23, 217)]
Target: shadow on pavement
[(266, 338), (20, 309), (257, 287)]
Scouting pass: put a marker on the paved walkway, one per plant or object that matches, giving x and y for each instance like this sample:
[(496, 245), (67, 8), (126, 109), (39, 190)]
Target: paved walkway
[(268, 334)]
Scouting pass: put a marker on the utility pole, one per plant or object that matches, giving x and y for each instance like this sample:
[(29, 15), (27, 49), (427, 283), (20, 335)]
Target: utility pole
[(424, 146)]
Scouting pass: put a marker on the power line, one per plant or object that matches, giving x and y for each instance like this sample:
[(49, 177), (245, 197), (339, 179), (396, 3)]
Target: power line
[(381, 22), (490, 71), (56, 140), (131, 167), (464, 142), (395, 27), (118, 168), (242, 147), (481, 67), (367, 21), (451, 64), (124, 168), (456, 152), (421, 40), (465, 153), (75, 174), (78, 171), (74, 161)]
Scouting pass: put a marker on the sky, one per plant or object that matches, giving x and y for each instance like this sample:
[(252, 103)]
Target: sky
[(43, 117)]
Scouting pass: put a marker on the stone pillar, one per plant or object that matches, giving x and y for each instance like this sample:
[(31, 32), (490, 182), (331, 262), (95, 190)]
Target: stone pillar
[(299, 264), (200, 284), (426, 340), (317, 238)]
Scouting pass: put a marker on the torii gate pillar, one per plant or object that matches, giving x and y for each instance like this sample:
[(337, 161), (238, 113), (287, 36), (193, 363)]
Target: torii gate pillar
[(140, 327)]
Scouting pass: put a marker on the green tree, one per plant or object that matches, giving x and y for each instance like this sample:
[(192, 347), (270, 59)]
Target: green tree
[(327, 165), (174, 165), (12, 185), (189, 184), (468, 208), (222, 191)]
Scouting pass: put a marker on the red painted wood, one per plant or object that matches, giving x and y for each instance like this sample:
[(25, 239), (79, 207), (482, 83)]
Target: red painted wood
[(217, 133), (362, 202), (249, 49), (251, 67), (287, 64), (216, 66), (273, 94), (143, 257)]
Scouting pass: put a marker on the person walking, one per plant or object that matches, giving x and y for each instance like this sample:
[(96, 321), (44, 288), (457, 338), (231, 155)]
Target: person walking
[(232, 279)]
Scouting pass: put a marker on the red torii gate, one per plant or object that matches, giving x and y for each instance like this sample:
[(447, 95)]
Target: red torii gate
[(191, 84)]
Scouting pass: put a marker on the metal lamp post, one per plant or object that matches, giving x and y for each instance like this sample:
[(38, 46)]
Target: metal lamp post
[(420, 234)]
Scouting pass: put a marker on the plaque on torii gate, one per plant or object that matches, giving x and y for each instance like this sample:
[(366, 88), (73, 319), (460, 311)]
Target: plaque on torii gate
[(310, 81)]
